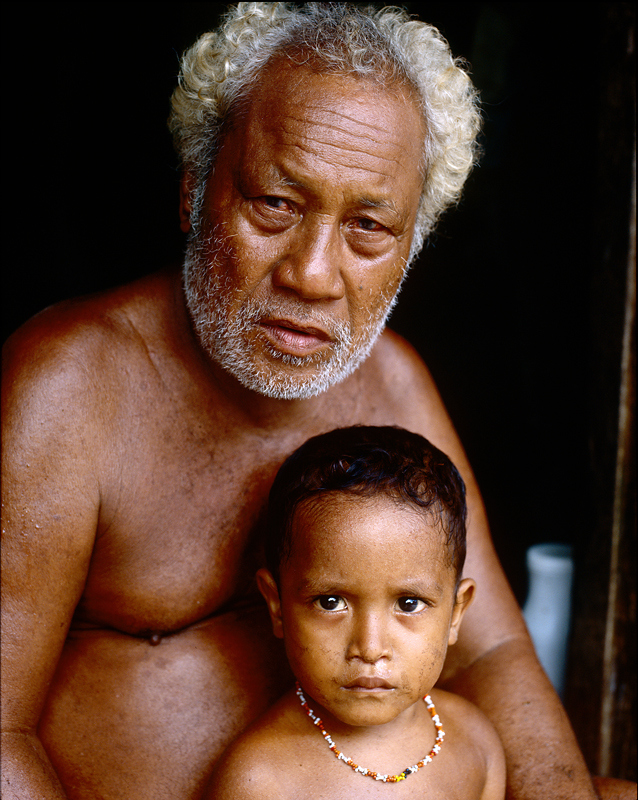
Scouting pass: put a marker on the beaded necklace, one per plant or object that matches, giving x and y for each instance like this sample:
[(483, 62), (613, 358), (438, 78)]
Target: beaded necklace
[(362, 770)]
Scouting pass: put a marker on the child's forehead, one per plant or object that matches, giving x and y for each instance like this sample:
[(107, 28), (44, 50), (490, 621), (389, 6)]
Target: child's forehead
[(347, 518), (362, 501), (328, 506)]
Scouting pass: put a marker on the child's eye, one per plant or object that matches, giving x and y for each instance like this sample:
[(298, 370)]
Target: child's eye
[(410, 604), (331, 602)]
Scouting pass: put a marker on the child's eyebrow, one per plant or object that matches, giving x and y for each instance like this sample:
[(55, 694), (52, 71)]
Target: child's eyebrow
[(419, 587), (321, 585), (411, 587)]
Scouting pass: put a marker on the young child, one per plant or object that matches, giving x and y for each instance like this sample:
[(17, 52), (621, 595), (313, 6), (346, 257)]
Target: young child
[(365, 551)]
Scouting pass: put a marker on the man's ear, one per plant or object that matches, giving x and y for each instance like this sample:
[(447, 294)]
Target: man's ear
[(186, 188), (268, 588), (464, 597)]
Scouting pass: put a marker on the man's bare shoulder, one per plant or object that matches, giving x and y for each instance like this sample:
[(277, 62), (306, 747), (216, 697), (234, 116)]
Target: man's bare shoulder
[(397, 357), (88, 340), (94, 321), (70, 374), (400, 388)]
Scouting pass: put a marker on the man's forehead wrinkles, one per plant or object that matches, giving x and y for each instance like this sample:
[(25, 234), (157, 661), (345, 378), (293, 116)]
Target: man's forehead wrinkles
[(322, 115), (338, 156), (313, 142), (344, 132), (335, 161)]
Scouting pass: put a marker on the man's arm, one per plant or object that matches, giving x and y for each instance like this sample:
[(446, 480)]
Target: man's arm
[(507, 682), (49, 509), (494, 663)]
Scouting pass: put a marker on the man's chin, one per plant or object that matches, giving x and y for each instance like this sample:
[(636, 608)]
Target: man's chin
[(289, 381)]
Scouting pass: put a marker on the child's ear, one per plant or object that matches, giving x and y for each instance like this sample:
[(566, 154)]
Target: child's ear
[(464, 596), (268, 587)]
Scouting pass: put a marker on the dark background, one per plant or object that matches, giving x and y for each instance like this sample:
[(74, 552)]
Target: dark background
[(503, 301)]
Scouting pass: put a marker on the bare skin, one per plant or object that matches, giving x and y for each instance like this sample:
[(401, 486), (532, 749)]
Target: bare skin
[(135, 475), (469, 766)]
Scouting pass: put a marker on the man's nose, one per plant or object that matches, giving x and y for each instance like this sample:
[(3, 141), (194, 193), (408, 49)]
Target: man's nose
[(369, 640), (312, 265)]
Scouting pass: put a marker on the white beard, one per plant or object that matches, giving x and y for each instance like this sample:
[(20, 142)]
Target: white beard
[(226, 334)]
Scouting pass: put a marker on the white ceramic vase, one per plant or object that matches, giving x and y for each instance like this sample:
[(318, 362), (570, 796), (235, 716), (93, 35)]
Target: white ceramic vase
[(547, 609)]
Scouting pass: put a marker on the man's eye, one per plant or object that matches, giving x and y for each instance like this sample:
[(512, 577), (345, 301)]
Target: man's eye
[(410, 604), (331, 602), (272, 214), (369, 224), (274, 202)]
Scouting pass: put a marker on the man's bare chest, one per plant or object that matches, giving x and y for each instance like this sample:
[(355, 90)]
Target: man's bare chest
[(183, 504), (179, 526), (184, 491)]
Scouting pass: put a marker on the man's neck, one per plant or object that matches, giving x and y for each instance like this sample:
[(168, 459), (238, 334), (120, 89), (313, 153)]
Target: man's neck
[(268, 413)]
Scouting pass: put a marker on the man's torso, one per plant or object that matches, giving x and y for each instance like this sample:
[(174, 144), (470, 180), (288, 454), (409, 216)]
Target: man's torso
[(170, 652)]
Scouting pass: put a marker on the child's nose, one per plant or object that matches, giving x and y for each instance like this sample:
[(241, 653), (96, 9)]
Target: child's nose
[(369, 641)]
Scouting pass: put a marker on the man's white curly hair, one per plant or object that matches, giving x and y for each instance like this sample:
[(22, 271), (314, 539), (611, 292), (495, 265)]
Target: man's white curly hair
[(219, 72)]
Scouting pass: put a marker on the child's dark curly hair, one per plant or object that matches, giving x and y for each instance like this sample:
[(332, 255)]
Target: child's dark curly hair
[(367, 461)]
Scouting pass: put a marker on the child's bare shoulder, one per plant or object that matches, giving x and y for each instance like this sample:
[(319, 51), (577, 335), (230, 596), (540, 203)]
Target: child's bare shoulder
[(467, 726), (250, 767)]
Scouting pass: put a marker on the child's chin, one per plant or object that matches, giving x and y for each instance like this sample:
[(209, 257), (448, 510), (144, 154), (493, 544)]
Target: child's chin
[(369, 713)]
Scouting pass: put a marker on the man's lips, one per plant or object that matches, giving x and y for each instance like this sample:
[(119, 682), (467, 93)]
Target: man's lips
[(293, 337), (368, 683)]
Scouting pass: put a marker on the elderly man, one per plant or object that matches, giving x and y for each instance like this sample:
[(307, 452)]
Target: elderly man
[(143, 426)]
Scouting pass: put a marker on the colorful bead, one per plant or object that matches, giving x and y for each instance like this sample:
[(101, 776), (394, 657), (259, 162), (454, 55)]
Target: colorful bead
[(362, 770)]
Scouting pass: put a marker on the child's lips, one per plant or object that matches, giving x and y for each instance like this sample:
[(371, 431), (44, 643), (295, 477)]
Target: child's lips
[(368, 683)]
